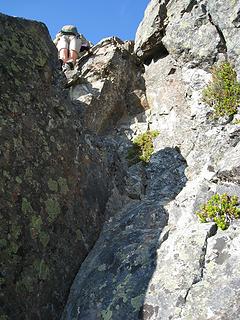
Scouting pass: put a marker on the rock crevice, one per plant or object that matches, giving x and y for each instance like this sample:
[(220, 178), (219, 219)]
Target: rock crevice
[(202, 260)]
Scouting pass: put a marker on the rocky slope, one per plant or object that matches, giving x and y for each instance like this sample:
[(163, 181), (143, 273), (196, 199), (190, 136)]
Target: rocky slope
[(67, 184)]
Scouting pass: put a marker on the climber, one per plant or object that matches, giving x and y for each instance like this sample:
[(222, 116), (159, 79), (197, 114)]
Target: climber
[(69, 44)]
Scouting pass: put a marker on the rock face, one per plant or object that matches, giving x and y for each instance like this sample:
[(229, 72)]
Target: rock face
[(124, 257), (191, 31), (153, 259), (108, 85), (56, 175), (73, 207)]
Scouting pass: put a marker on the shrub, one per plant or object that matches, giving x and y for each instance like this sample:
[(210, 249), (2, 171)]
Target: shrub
[(221, 209), (142, 148), (223, 92)]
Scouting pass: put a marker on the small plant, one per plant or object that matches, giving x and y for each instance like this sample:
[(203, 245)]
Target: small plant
[(221, 209), (142, 148), (237, 121), (223, 92)]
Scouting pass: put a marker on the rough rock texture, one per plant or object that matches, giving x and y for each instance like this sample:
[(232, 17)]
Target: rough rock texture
[(154, 260), (192, 31), (56, 178), (60, 181), (113, 279), (151, 30), (217, 301), (108, 85)]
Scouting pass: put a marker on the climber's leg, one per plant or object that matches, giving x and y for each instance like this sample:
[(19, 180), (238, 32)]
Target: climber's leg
[(74, 48), (62, 46), (63, 54), (73, 55)]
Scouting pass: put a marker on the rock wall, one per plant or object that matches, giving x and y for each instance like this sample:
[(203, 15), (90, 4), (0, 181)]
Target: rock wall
[(107, 85), (197, 32), (154, 260), (56, 177), (73, 207)]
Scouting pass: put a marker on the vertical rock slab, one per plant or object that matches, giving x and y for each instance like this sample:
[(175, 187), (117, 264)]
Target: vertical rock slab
[(225, 17), (216, 296), (54, 184), (151, 30), (190, 36), (191, 31)]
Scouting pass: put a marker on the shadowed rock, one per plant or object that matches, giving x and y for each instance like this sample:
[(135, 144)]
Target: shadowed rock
[(54, 181), (60, 182), (114, 278)]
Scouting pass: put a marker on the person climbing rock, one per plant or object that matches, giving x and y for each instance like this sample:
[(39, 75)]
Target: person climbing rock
[(69, 44)]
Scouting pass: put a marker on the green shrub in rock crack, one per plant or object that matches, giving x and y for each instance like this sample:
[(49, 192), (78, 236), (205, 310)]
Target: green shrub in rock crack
[(223, 92), (221, 209), (142, 148)]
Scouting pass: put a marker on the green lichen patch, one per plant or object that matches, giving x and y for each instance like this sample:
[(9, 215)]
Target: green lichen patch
[(137, 302), (221, 209), (13, 247), (6, 174), (29, 279), (103, 267), (236, 122), (106, 314), (18, 180), (26, 206), (53, 185), (142, 148), (28, 173), (10, 242), (62, 182), (52, 208), (35, 226), (121, 291), (26, 284), (3, 243), (15, 230), (44, 238), (79, 235), (42, 269), (223, 92)]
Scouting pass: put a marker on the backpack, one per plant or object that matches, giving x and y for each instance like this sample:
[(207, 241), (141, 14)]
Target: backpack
[(68, 29)]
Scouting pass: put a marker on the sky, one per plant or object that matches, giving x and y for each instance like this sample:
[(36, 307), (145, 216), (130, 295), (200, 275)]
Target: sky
[(95, 19)]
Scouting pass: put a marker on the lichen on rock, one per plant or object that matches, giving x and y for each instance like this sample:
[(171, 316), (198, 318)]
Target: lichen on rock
[(80, 229)]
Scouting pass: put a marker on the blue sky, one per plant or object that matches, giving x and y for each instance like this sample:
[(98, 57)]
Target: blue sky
[(96, 19)]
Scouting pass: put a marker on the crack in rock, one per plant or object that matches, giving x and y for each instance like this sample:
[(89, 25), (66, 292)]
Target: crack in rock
[(202, 260), (189, 8), (222, 46)]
